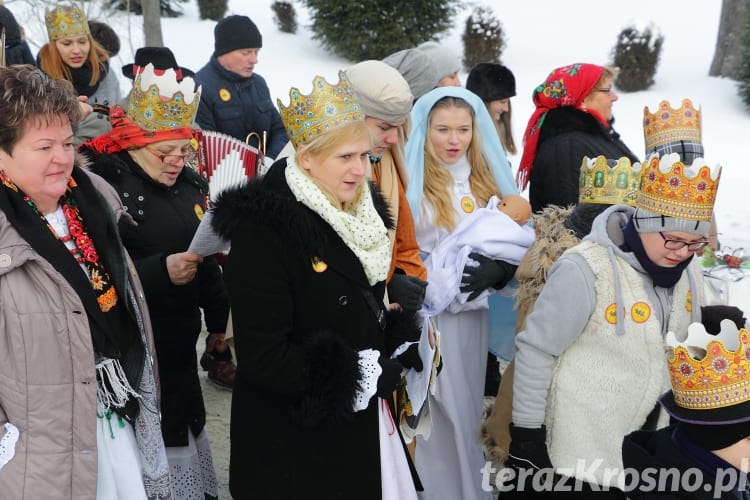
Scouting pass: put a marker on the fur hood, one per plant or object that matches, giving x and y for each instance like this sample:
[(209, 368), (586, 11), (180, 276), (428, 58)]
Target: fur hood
[(268, 200)]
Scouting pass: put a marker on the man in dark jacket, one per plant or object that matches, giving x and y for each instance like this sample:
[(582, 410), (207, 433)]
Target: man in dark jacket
[(16, 49), (235, 100)]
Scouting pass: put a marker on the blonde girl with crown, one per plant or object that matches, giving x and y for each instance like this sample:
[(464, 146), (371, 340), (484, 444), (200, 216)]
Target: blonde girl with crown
[(457, 168)]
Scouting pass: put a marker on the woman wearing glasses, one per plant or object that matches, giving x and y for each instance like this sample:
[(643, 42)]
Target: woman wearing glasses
[(590, 361), (144, 157), (573, 118)]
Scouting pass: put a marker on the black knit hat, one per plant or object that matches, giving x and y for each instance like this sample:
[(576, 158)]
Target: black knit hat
[(236, 32), (160, 57), (491, 81)]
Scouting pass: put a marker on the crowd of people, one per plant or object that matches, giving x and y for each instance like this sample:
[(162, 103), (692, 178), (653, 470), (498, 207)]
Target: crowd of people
[(366, 260)]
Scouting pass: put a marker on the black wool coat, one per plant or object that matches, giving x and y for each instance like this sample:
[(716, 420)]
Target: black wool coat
[(167, 218), (567, 135), (297, 330)]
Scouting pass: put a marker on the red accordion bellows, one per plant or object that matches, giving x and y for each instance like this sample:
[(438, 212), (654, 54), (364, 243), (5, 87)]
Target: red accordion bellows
[(225, 161)]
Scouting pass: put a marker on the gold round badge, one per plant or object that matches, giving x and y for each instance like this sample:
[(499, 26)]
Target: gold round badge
[(198, 211), (467, 204), (225, 95), (318, 265), (640, 312), (610, 314), (689, 302)]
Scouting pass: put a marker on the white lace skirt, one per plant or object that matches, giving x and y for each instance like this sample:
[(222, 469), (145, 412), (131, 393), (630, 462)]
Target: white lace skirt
[(119, 475), (192, 470)]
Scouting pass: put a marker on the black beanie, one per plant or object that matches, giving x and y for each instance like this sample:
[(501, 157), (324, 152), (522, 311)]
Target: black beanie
[(236, 32), (491, 82), (715, 437)]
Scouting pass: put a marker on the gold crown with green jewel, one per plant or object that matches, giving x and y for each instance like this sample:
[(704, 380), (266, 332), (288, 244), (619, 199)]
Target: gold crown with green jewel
[(326, 108), (160, 102), (600, 182), (65, 21)]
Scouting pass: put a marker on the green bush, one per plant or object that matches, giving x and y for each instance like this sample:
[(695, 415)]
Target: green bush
[(212, 9), (637, 55), (483, 38), (358, 30), (743, 83), (285, 16), (168, 8)]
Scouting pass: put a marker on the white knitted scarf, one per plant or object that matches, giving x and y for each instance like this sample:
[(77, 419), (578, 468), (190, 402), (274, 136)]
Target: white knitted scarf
[(361, 228)]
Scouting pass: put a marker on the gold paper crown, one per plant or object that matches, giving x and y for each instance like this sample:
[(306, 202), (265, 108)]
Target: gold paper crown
[(328, 107), (160, 102), (670, 188), (710, 371), (669, 125), (65, 21), (600, 183)]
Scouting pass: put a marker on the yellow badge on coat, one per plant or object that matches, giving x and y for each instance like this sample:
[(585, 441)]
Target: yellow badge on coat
[(225, 95), (318, 265), (610, 314), (198, 211), (640, 312), (467, 204), (689, 301)]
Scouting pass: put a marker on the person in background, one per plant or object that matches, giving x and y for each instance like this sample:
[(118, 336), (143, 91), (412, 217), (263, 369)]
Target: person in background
[(72, 54), (573, 118), (306, 275), (236, 100), (495, 85), (79, 409), (144, 157), (426, 66), (16, 48), (105, 36), (455, 165), (584, 358), (712, 438)]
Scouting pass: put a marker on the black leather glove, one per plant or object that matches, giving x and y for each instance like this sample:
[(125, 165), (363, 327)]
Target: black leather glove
[(389, 379), (711, 317), (410, 358), (528, 448), (407, 291), (489, 273)]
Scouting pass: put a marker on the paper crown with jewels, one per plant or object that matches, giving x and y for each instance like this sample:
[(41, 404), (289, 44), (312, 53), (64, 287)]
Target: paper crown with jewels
[(160, 102), (710, 375), (670, 188), (65, 21), (601, 182), (326, 108), (671, 130)]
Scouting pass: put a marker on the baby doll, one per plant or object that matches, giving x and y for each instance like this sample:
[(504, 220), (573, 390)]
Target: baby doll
[(516, 207)]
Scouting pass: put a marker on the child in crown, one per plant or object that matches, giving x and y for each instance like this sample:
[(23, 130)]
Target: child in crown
[(589, 367)]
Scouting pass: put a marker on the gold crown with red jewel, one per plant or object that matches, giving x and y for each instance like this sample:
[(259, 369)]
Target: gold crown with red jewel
[(326, 108), (668, 125), (160, 102), (709, 372), (668, 187), (601, 182), (65, 21)]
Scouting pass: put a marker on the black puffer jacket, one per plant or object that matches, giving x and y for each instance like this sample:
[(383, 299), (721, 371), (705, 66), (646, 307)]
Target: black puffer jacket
[(566, 136), (167, 218)]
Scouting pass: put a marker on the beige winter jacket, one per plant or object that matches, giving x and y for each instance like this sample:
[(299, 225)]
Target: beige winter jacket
[(47, 375)]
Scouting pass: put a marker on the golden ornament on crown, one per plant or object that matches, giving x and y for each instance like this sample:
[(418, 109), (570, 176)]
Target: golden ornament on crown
[(326, 108), (670, 188), (709, 372), (668, 125), (160, 102), (612, 185), (65, 21)]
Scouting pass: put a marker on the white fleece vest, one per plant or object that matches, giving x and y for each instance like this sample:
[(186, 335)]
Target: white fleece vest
[(605, 385)]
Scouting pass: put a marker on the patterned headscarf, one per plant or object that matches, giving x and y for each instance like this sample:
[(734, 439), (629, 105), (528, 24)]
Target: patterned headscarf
[(127, 136), (566, 86)]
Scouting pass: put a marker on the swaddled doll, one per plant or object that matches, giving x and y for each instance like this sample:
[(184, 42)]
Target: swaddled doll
[(516, 207)]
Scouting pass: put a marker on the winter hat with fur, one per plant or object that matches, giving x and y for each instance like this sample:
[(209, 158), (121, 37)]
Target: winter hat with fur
[(491, 82), (381, 91), (236, 32), (416, 68)]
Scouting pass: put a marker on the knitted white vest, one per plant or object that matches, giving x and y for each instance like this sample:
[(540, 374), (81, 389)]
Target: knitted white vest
[(605, 385)]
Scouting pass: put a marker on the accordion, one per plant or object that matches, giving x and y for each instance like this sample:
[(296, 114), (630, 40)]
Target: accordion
[(225, 161)]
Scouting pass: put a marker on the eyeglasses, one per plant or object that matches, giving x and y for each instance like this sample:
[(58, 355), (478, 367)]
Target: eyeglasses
[(693, 246), (173, 158)]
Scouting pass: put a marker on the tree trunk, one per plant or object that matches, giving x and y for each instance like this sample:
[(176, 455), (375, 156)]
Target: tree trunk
[(152, 22), (727, 55)]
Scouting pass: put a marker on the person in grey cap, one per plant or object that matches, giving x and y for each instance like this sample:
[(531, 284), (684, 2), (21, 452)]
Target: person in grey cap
[(426, 66), (235, 99)]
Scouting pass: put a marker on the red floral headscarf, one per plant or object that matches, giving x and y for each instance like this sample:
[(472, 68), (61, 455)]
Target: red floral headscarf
[(126, 135), (566, 86)]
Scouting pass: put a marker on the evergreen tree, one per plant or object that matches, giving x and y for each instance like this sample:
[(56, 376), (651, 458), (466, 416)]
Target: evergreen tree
[(637, 55), (358, 30), (744, 67)]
